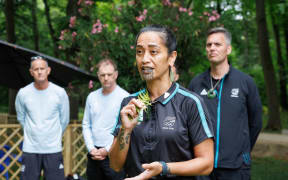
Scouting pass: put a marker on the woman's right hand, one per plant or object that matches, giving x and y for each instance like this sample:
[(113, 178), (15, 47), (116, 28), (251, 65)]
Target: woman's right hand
[(129, 114)]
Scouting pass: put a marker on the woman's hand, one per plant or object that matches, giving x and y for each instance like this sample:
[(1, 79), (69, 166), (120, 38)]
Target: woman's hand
[(129, 114), (152, 169)]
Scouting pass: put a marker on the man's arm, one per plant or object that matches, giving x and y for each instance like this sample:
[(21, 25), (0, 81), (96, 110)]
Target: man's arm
[(64, 111), (87, 127), (254, 107), (20, 109)]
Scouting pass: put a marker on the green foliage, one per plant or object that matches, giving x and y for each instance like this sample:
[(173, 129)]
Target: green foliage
[(269, 168), (109, 30)]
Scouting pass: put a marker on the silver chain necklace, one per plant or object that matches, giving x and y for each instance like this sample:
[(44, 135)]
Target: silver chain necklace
[(212, 92)]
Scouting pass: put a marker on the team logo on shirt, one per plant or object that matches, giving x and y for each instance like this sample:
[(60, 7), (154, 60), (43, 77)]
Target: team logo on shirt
[(235, 92), (203, 92), (169, 122)]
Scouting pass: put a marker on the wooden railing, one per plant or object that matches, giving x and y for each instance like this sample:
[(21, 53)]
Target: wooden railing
[(11, 138)]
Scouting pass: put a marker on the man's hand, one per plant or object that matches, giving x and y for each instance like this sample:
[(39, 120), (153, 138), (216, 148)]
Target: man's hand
[(152, 169), (98, 154)]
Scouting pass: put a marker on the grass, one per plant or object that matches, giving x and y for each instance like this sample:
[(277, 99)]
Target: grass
[(269, 169)]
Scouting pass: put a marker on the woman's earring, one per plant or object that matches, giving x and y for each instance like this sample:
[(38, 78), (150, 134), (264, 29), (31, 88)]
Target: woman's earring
[(171, 74)]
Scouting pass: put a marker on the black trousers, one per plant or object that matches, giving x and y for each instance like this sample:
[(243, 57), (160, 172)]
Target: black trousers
[(33, 163), (100, 170), (242, 173)]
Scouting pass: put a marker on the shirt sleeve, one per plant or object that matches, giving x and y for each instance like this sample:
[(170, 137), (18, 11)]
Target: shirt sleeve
[(200, 125), (20, 108), (118, 124), (64, 111), (87, 126), (254, 112)]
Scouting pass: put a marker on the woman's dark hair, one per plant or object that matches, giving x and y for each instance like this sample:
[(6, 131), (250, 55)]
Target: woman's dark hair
[(168, 36)]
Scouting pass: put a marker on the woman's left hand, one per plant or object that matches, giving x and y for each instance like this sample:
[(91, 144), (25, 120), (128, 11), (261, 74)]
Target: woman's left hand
[(152, 169)]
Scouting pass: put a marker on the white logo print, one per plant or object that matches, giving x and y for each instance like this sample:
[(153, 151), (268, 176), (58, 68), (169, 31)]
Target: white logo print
[(166, 95), (169, 122), (235, 92), (61, 166), (203, 92), (22, 168)]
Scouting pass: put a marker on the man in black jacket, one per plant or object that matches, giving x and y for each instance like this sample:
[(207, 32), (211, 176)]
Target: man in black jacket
[(235, 108)]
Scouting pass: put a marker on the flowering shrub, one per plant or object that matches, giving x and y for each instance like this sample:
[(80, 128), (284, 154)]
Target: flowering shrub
[(109, 30)]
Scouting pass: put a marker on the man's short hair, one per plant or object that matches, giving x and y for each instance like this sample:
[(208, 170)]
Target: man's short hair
[(106, 61), (34, 58), (226, 33)]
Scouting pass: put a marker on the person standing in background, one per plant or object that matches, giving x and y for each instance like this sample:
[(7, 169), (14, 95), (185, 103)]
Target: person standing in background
[(101, 111), (43, 111), (235, 108)]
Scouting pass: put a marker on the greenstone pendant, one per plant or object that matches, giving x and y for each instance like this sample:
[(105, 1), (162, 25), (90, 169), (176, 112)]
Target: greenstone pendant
[(211, 93)]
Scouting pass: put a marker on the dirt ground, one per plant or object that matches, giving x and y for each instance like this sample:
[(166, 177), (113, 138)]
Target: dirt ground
[(271, 145)]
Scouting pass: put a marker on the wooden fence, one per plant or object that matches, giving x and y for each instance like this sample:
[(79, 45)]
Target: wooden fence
[(11, 138)]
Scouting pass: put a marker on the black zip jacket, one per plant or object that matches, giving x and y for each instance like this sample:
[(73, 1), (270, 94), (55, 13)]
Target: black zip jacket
[(236, 114)]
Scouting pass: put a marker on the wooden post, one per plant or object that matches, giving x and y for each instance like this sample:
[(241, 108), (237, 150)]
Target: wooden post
[(67, 154)]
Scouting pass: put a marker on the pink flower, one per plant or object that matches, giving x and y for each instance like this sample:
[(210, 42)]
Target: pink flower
[(88, 2), (206, 13), (190, 13), (181, 9), (90, 86), (74, 34), (97, 27), (166, 2), (132, 47), (72, 21), (214, 12), (116, 30), (60, 47), (80, 10), (212, 18), (79, 2), (131, 3), (63, 34), (142, 16)]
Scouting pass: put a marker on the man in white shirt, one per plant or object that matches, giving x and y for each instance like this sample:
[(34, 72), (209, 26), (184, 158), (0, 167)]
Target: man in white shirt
[(43, 111), (100, 116)]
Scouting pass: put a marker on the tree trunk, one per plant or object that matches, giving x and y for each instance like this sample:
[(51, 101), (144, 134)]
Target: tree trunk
[(219, 10), (52, 31), (10, 28), (10, 23), (274, 122), (281, 65), (72, 8), (35, 25)]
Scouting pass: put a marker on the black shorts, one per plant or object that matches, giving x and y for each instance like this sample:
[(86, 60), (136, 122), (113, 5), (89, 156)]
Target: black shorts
[(33, 163)]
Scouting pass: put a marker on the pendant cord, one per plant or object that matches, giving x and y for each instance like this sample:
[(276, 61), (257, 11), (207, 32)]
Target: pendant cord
[(212, 88)]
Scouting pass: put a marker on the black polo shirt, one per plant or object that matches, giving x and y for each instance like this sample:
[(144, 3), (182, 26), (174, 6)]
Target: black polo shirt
[(176, 122)]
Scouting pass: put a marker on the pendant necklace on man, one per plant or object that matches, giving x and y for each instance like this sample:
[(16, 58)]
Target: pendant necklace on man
[(212, 92)]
